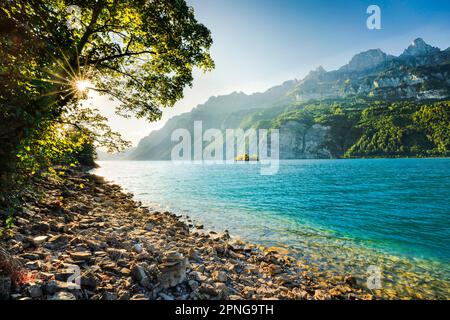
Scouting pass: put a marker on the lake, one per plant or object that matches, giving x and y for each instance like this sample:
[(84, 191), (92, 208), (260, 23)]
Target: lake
[(341, 215)]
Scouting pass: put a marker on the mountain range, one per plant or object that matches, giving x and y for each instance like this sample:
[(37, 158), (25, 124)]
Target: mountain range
[(420, 73)]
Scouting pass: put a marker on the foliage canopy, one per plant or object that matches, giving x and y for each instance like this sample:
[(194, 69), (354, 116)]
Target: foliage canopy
[(139, 52)]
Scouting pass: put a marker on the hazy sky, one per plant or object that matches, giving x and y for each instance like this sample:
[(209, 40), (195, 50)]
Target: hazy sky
[(261, 43)]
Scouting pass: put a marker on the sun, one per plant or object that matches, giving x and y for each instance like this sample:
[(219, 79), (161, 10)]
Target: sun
[(83, 85)]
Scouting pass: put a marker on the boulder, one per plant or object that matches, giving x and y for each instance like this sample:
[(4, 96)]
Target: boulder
[(173, 270), (139, 274)]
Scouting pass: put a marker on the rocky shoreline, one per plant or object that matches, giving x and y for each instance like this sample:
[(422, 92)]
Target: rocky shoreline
[(84, 238)]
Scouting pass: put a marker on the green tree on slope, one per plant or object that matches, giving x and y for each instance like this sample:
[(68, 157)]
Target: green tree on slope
[(138, 52)]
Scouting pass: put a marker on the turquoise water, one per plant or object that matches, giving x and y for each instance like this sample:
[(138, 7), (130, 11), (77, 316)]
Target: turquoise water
[(343, 215)]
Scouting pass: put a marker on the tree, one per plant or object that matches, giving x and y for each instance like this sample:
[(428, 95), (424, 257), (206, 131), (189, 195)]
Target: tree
[(343, 129), (141, 53), (435, 120)]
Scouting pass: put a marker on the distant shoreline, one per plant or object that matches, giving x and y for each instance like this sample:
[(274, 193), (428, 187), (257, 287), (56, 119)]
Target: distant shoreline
[(253, 161)]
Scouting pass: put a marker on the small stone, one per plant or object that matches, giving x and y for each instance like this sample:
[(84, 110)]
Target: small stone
[(41, 227), (54, 286), (166, 296), (109, 296), (35, 291), (88, 280), (139, 297), (149, 226), (139, 275), (58, 227), (199, 226), (115, 254), (64, 274), (81, 256), (274, 269), (31, 256), (248, 292), (33, 265), (321, 295), (208, 289), (194, 255), (123, 295), (137, 248), (219, 276), (122, 263), (125, 271), (277, 250), (58, 240), (193, 285), (223, 290), (350, 280), (46, 275), (100, 253), (62, 295), (39, 240)]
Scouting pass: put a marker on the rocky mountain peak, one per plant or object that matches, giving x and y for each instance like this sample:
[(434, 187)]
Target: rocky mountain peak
[(419, 48), (320, 69), (315, 74), (366, 60)]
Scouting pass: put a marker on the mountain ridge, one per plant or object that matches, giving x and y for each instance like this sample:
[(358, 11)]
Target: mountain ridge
[(421, 72)]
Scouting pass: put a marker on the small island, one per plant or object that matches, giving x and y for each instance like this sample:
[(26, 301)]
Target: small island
[(246, 157)]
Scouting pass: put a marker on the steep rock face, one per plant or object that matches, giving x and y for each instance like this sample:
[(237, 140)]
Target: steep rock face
[(298, 143)]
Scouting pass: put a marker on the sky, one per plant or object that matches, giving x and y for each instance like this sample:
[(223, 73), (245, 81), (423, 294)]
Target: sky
[(262, 43)]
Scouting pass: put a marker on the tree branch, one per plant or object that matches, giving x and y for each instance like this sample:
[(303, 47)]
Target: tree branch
[(90, 28), (136, 80), (120, 55)]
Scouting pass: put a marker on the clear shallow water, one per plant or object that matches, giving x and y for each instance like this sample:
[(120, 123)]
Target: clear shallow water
[(343, 215)]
